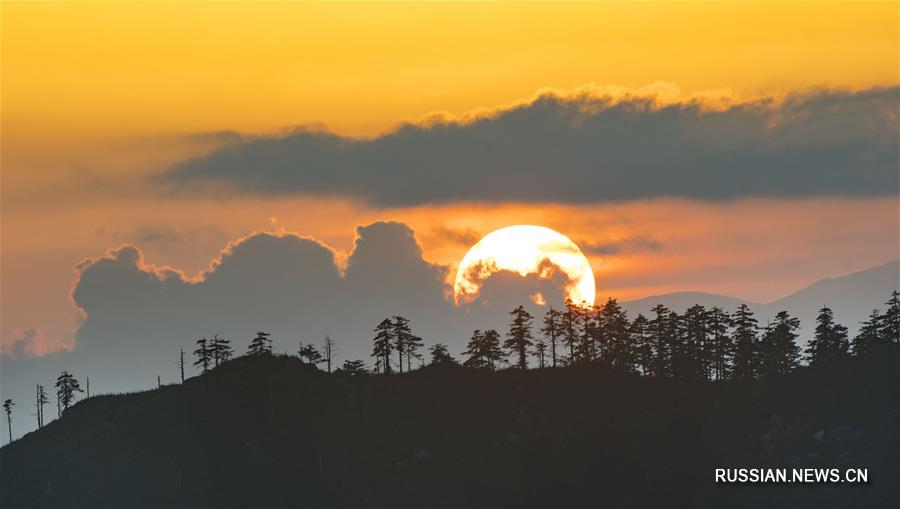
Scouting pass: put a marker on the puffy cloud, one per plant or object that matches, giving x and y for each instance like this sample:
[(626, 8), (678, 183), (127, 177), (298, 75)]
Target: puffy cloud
[(585, 147), (291, 286)]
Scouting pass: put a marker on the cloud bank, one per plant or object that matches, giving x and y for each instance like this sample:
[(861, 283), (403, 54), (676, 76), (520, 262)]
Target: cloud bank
[(585, 147)]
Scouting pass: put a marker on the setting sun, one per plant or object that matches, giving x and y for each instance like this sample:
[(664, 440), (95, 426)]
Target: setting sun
[(525, 249)]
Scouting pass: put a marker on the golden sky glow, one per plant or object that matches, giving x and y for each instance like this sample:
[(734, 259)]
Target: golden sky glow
[(95, 94), (109, 69)]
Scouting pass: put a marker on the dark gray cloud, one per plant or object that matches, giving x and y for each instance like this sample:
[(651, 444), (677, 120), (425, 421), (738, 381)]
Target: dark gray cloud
[(634, 244), (585, 148), (286, 284)]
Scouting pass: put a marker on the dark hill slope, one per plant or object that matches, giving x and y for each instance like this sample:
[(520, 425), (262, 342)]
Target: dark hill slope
[(270, 432)]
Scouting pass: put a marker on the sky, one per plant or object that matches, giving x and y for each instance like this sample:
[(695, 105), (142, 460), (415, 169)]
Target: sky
[(156, 156)]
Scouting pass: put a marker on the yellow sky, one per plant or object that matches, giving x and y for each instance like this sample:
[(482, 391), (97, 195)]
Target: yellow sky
[(117, 88), (79, 71)]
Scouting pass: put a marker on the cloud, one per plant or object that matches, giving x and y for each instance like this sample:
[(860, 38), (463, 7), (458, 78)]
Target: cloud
[(584, 147), (459, 236), (26, 343), (292, 286), (636, 244)]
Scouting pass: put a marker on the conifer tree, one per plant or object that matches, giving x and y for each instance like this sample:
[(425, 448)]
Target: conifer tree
[(519, 337), (7, 408), (383, 345), (587, 346), (779, 353), (745, 365), (613, 329), (539, 351), (659, 341), (402, 335), (569, 328), (413, 345), (483, 350), (66, 387), (890, 321), (722, 346), (689, 353), (260, 345), (440, 355), (203, 354), (353, 368), (310, 353), (220, 350), (869, 337), (638, 331), (829, 342), (552, 331)]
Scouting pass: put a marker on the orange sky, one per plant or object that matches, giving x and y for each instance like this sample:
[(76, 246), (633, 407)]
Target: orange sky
[(94, 94)]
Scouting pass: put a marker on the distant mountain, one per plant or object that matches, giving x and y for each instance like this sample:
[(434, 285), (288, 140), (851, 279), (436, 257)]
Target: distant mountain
[(679, 301), (852, 297)]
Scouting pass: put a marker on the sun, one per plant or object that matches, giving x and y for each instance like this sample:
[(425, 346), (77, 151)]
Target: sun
[(524, 249)]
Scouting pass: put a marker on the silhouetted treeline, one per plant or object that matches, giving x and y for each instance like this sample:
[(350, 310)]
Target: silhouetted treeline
[(700, 344)]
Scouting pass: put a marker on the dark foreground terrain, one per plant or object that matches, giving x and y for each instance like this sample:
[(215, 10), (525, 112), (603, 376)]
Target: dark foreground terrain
[(271, 432)]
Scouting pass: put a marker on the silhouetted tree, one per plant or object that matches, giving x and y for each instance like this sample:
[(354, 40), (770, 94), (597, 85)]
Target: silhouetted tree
[(869, 337), (829, 343), (569, 327), (383, 345), (203, 354), (260, 345), (403, 337), (519, 337), (689, 359), (7, 408), (745, 366), (328, 352), (779, 353), (181, 363), (890, 321), (586, 346), (66, 387), (483, 350), (721, 348), (539, 350), (353, 368), (659, 341), (41, 400), (413, 345), (440, 355), (552, 331), (638, 331), (310, 353), (220, 350), (614, 333)]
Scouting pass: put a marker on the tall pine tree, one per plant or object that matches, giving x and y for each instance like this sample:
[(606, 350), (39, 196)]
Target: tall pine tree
[(518, 339), (830, 340), (383, 344), (745, 366), (779, 353)]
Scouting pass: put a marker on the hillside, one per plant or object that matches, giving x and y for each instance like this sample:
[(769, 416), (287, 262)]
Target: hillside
[(272, 432)]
